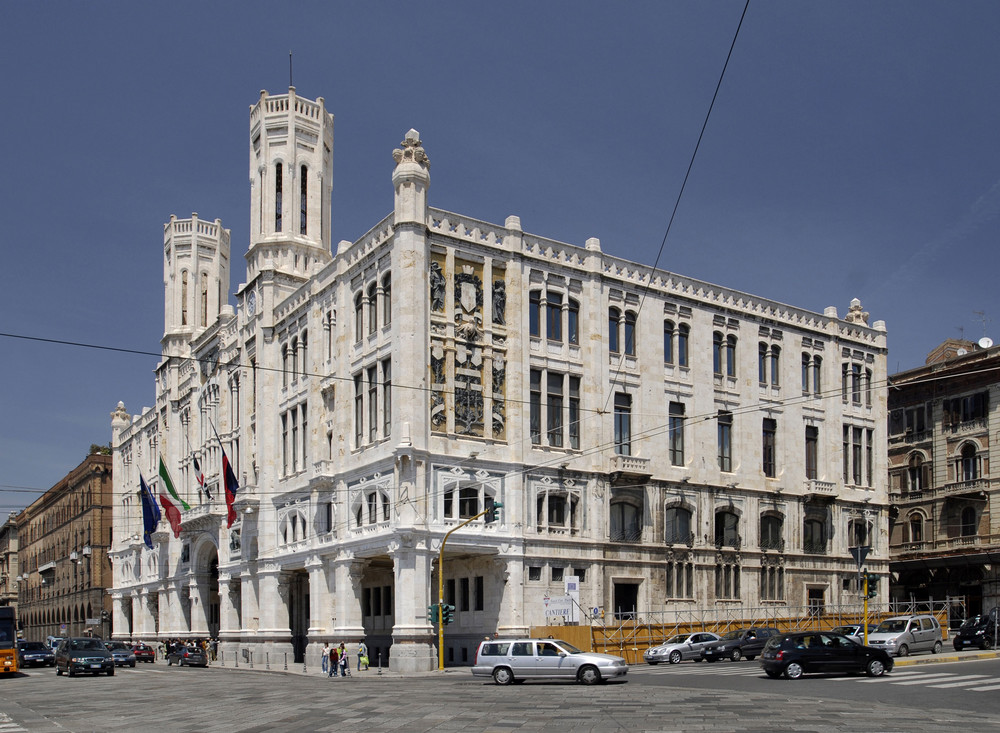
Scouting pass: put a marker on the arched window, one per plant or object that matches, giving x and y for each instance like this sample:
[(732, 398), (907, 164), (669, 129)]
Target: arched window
[(535, 313), (294, 351), (277, 196), (630, 333), (372, 309), (204, 299), (762, 363), (573, 321), (772, 532), (727, 529), (717, 353), (614, 316), (775, 365), (677, 526), (626, 523), (387, 300), (303, 354), (817, 373), (303, 198), (668, 342), (916, 528), (814, 536), (805, 373), (553, 316), (916, 473), (970, 524), (184, 298), (284, 365), (683, 333), (359, 317), (731, 356), (969, 463)]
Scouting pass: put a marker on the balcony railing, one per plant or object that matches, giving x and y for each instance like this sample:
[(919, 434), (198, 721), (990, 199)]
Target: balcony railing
[(814, 548), (773, 544), (626, 535), (965, 487)]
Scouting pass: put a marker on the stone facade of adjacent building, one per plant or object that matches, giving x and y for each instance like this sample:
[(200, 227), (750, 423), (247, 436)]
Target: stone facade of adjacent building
[(944, 494), (674, 445), (64, 537)]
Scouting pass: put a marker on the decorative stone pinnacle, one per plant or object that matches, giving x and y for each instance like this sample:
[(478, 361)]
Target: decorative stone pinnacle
[(412, 151), (855, 314)]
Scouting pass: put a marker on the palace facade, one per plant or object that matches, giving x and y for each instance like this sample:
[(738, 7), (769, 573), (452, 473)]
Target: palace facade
[(672, 444)]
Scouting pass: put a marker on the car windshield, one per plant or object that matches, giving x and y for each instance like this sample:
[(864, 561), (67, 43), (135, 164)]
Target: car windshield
[(34, 646), (678, 639), (972, 622), (847, 630), (891, 626), (568, 647), (732, 635), (87, 644)]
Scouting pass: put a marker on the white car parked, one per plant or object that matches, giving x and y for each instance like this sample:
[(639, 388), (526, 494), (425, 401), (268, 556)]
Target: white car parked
[(680, 647)]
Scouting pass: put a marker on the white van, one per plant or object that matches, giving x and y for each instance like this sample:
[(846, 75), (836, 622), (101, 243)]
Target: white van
[(901, 635)]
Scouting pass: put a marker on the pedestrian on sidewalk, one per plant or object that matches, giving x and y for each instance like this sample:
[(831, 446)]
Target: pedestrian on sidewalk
[(345, 666), (334, 659), (325, 661), (362, 655)]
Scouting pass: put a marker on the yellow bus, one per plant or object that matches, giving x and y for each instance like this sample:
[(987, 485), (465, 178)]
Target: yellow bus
[(8, 641)]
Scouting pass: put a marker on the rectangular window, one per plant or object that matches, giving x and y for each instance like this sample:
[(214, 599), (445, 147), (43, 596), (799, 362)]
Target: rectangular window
[(277, 197), (573, 322), (682, 345), (770, 432), (387, 397), (676, 427), (557, 575), (463, 595), (574, 413), (623, 424), (303, 198), (812, 448), (553, 317), (372, 404), (846, 450), (869, 457), (554, 402), (359, 411), (856, 443), (717, 354), (295, 441), (449, 591), (730, 356), (762, 363), (535, 314), (725, 441), (479, 596), (856, 384), (534, 573), (581, 574), (535, 410), (805, 374), (284, 444)]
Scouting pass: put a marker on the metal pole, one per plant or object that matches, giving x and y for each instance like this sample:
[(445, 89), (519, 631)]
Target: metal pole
[(441, 585), (380, 661)]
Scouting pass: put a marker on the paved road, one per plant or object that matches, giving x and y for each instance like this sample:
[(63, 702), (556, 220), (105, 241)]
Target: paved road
[(688, 697)]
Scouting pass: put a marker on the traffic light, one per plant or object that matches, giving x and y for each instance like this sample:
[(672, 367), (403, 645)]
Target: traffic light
[(871, 585), (432, 613), (492, 510), (447, 613)]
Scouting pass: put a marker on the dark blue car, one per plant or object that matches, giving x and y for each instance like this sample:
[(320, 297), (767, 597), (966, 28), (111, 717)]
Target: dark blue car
[(35, 654)]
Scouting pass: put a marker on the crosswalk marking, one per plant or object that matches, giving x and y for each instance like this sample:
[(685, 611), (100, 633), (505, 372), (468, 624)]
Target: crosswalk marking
[(962, 681), (988, 688)]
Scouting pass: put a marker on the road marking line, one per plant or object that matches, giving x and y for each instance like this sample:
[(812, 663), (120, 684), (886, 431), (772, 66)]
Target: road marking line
[(929, 679), (978, 680), (987, 688)]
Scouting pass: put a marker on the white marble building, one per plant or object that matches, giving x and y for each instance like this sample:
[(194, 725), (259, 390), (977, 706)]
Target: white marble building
[(675, 444)]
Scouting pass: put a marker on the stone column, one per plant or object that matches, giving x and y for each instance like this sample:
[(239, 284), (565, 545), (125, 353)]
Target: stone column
[(414, 643), (198, 593), (510, 579), (229, 625), (119, 623), (274, 613), (347, 624), (320, 605), (250, 617)]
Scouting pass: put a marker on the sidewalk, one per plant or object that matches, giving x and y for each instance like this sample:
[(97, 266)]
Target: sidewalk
[(952, 656)]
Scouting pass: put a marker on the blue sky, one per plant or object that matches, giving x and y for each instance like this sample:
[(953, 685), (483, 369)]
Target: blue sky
[(852, 152)]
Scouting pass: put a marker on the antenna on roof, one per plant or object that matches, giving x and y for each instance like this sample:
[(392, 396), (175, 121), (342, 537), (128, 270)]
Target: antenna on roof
[(290, 69)]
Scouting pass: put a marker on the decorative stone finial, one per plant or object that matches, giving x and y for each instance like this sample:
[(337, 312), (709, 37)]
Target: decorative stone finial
[(120, 417), (412, 151), (855, 314)]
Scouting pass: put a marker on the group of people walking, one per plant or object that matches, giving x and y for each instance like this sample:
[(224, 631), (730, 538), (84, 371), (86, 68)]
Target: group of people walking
[(336, 659)]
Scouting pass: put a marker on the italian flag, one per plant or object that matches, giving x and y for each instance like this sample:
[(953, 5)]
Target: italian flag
[(166, 483)]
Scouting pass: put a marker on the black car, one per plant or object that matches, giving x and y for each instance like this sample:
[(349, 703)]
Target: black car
[(83, 654), (977, 631), (793, 655), (190, 656), (738, 644), (35, 653)]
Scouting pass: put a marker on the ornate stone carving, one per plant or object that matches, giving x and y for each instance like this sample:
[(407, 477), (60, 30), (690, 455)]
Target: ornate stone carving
[(499, 302), (412, 151), (437, 283), (855, 314)]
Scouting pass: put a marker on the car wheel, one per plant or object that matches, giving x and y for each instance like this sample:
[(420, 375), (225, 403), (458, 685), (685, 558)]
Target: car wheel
[(793, 671), (958, 647), (132, 665), (903, 651), (736, 655), (982, 645), (503, 676), (675, 657), (773, 674), (58, 672), (936, 649), (70, 672), (589, 675), (750, 657), (875, 668), (711, 660)]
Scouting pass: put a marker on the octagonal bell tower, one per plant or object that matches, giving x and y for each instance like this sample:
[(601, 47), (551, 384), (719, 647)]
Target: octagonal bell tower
[(291, 176)]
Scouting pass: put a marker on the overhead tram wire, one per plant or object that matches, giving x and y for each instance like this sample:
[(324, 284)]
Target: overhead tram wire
[(677, 202)]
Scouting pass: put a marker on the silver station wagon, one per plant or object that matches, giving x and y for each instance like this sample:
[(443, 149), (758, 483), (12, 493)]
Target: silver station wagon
[(517, 660)]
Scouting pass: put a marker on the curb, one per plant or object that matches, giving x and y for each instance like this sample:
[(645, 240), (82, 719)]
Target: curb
[(944, 658)]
